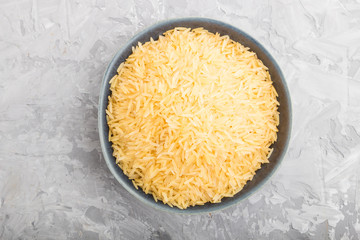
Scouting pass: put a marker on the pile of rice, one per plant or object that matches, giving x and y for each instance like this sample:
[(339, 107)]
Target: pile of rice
[(191, 117)]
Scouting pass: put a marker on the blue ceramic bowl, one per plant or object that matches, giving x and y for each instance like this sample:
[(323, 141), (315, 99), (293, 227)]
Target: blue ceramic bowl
[(280, 146)]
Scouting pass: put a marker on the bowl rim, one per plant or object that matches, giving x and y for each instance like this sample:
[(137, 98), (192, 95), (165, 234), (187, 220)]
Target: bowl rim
[(104, 136)]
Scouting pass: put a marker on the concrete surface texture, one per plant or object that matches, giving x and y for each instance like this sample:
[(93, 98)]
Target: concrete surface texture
[(54, 183)]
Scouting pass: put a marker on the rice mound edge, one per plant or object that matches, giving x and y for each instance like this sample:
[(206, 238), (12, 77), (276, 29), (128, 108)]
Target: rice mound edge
[(191, 117)]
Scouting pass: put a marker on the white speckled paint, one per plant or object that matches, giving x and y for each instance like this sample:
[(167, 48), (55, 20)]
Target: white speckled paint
[(54, 183)]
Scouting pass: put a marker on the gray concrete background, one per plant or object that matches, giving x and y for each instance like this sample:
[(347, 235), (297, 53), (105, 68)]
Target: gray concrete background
[(54, 183)]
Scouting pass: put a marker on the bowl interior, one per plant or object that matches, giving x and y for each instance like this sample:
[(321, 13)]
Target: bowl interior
[(280, 146)]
